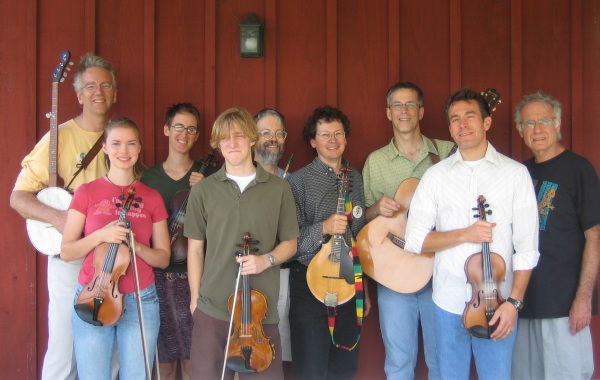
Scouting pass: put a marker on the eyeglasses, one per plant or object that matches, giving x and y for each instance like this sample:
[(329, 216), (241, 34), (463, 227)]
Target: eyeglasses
[(326, 136), (408, 105), (267, 134), (543, 122), (93, 87), (181, 128)]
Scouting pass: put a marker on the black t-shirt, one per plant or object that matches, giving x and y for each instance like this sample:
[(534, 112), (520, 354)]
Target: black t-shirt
[(568, 195)]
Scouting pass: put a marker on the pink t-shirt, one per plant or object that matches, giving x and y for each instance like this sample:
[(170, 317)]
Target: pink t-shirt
[(99, 202)]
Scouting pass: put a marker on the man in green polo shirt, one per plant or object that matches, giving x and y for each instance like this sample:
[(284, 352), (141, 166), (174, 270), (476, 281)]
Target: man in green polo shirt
[(408, 155)]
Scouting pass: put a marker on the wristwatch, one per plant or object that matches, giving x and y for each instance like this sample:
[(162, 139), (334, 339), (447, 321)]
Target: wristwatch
[(271, 259), (518, 304)]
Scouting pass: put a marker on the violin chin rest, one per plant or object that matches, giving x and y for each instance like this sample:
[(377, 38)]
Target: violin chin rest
[(479, 332), (86, 314), (237, 364)]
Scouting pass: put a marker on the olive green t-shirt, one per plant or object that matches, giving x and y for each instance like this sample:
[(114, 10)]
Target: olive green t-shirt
[(219, 214)]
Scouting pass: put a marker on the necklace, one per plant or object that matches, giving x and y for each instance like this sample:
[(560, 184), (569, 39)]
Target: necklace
[(122, 188)]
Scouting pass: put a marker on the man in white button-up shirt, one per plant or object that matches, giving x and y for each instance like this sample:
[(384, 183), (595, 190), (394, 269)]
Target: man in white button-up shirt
[(441, 220)]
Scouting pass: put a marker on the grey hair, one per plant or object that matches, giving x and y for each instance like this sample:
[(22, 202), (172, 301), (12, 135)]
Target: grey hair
[(270, 112), (89, 61), (541, 98)]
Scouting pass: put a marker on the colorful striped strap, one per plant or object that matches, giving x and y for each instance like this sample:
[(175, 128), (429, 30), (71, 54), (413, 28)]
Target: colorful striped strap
[(358, 285)]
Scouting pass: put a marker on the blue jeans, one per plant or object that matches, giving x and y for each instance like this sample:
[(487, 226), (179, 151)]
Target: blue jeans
[(94, 345), (493, 359), (399, 316)]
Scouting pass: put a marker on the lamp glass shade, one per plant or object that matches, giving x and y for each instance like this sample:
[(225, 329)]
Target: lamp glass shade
[(251, 37)]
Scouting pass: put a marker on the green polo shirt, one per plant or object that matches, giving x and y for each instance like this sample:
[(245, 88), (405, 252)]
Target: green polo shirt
[(386, 168), (218, 213)]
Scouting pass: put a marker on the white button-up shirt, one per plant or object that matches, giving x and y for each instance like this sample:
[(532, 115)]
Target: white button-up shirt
[(445, 199)]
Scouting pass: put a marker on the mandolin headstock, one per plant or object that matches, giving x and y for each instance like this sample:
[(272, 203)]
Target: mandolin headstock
[(344, 181)]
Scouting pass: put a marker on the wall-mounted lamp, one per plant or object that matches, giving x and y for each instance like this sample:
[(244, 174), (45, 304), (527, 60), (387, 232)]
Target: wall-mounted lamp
[(251, 37)]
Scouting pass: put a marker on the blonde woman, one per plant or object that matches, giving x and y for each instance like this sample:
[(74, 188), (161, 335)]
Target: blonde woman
[(93, 219)]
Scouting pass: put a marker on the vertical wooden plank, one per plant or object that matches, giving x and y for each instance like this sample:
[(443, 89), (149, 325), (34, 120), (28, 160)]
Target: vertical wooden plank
[(271, 53), (31, 269), (148, 79), (577, 77), (591, 89), (394, 69), (455, 45), (89, 33), (331, 52), (301, 69), (30, 257), (425, 58), (516, 62), (210, 17), (18, 97)]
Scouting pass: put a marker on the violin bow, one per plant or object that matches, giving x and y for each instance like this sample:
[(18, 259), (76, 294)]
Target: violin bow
[(139, 300), (235, 294), (288, 166)]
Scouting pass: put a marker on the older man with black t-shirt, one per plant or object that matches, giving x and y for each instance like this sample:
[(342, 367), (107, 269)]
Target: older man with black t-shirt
[(553, 338)]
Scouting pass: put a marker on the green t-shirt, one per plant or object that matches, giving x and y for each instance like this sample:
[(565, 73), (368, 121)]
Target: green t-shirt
[(219, 214)]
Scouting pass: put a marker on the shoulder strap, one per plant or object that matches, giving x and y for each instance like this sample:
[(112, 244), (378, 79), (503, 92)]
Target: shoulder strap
[(87, 159), (434, 157)]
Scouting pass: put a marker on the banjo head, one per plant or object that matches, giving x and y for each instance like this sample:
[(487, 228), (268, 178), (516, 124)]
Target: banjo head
[(43, 236)]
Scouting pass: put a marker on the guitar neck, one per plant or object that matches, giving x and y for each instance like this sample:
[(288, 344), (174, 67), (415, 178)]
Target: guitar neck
[(53, 145)]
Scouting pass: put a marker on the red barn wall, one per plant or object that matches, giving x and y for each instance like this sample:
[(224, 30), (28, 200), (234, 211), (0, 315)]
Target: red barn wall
[(339, 52)]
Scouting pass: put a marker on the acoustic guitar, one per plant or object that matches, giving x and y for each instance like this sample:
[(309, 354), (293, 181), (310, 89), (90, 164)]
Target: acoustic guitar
[(330, 274), (43, 236), (380, 247), (380, 243)]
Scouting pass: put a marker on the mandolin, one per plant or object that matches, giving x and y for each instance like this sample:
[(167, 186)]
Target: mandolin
[(177, 217), (330, 274), (485, 271), (43, 236)]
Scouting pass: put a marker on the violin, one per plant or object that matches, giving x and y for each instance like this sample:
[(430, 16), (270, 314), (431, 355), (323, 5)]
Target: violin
[(177, 216), (485, 271), (249, 349), (100, 302)]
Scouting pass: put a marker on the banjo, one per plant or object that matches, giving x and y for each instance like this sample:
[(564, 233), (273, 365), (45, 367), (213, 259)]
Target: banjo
[(43, 236)]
